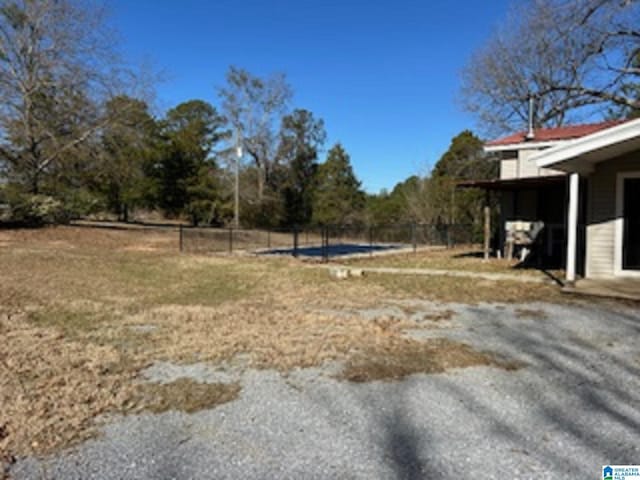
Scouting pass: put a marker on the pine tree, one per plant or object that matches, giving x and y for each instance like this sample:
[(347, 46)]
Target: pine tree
[(338, 198), (301, 136), (126, 145), (186, 171)]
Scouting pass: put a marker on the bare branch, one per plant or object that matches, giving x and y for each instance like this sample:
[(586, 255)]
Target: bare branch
[(573, 56), (255, 106), (58, 68)]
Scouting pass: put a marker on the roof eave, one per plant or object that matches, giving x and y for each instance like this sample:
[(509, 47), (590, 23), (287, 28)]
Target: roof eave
[(529, 145), (575, 149)]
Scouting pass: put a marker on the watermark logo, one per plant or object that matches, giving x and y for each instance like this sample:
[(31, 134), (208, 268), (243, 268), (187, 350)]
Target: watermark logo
[(621, 472)]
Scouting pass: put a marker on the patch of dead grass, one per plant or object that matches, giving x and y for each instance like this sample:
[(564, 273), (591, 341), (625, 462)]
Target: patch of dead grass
[(465, 290), (404, 357), (439, 316), (184, 394), (69, 237), (270, 337), (458, 258), (535, 314), (52, 389)]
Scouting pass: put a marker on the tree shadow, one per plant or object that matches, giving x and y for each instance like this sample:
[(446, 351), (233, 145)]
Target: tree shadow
[(571, 387), (473, 254), (402, 446), (546, 268)]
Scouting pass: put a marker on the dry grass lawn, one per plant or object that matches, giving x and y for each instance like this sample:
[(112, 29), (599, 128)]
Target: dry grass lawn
[(460, 258), (82, 311)]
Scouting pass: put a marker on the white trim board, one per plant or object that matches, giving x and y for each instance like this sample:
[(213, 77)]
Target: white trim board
[(619, 226)]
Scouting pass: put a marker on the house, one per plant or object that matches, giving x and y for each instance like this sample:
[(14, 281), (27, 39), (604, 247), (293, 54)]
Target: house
[(582, 183), (603, 168)]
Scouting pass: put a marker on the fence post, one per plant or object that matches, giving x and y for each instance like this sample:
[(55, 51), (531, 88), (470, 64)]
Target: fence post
[(370, 241), (487, 232), (414, 240), (269, 238), (295, 241), (230, 239), (325, 244), (180, 237)]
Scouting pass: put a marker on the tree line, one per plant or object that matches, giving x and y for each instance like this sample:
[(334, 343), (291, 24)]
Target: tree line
[(435, 198), (80, 139), (79, 136), (182, 165)]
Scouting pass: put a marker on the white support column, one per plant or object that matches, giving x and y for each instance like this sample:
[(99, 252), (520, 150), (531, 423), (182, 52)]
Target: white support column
[(572, 226)]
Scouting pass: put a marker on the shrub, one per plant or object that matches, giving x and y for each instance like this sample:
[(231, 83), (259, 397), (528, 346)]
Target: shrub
[(33, 209), (79, 203)]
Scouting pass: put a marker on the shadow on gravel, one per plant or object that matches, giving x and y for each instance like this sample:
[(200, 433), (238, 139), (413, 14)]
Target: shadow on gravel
[(586, 385), (581, 390), (402, 446)]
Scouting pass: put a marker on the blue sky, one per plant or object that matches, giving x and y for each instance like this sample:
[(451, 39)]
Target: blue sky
[(383, 75)]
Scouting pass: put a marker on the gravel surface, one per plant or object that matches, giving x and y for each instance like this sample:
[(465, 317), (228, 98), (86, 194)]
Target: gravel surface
[(574, 407)]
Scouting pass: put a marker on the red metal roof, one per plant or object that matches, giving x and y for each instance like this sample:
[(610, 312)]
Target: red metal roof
[(559, 133)]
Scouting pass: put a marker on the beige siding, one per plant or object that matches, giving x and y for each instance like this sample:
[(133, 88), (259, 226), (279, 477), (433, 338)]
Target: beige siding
[(509, 168), (521, 166), (526, 167), (601, 209), (529, 168)]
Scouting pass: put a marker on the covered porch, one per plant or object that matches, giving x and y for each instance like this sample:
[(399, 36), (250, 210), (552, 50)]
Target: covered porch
[(527, 201)]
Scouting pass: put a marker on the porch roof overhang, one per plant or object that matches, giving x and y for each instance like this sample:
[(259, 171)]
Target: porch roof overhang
[(513, 183), (582, 154)]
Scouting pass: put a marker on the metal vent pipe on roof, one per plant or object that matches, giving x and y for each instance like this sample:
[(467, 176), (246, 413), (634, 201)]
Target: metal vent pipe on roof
[(531, 134)]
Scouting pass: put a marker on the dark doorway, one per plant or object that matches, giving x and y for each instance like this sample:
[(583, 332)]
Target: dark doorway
[(631, 215)]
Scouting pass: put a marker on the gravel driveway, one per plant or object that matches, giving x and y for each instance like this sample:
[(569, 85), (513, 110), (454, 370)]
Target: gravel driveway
[(572, 408)]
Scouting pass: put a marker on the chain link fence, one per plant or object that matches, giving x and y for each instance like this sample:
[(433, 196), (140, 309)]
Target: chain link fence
[(324, 242)]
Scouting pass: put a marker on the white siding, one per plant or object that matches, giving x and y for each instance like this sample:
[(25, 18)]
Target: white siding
[(601, 209), (509, 169)]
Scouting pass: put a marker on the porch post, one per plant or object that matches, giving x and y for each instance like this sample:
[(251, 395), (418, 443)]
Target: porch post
[(572, 226), (487, 226)]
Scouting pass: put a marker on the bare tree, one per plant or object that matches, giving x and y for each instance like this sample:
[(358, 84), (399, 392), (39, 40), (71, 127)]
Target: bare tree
[(575, 57), (57, 69), (255, 106), (419, 201)]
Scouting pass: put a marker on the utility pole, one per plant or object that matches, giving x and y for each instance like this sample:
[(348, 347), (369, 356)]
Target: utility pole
[(236, 213)]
